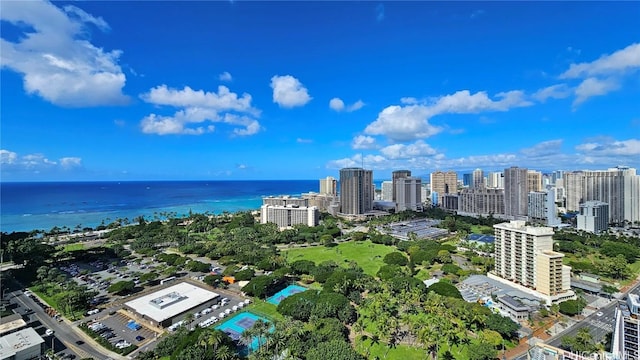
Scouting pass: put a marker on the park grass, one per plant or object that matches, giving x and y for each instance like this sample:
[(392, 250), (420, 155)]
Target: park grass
[(263, 308), (423, 274), (378, 350), (635, 267), (365, 253), (73, 247), (478, 229)]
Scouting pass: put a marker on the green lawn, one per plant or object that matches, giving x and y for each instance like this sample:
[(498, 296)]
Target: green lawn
[(400, 352), (635, 267), (268, 310), (478, 229), (73, 247), (365, 253)]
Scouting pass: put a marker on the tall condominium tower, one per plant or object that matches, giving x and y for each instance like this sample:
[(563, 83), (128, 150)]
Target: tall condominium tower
[(478, 179), (483, 201), (515, 192), (524, 255), (625, 343), (387, 190), (328, 186), (444, 183), (408, 193), (542, 207), (356, 191), (593, 216), (619, 187), (395, 177), (495, 180), (467, 179), (534, 180)]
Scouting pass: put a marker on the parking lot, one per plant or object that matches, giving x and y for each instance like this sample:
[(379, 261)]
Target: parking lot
[(117, 326)]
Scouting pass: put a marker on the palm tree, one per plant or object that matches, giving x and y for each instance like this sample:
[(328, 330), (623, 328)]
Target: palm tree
[(224, 353), (247, 338)]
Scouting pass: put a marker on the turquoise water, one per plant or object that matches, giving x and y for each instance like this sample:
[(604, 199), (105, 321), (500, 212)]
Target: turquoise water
[(285, 293), (234, 327)]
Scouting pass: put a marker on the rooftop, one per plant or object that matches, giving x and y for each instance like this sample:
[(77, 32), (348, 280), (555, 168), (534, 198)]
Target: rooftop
[(13, 343), (169, 302)]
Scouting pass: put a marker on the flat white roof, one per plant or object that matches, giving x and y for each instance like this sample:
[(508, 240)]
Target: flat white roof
[(169, 302), (13, 343)]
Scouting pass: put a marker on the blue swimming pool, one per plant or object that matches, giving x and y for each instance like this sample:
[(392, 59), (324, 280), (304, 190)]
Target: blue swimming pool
[(235, 325), (285, 293)]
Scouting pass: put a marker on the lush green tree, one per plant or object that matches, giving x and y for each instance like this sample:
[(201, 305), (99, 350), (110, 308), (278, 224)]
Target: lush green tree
[(121, 287), (572, 307), (614, 248), (482, 351), (334, 350), (300, 267), (445, 289), (581, 343), (503, 325), (395, 258), (451, 269), (245, 275)]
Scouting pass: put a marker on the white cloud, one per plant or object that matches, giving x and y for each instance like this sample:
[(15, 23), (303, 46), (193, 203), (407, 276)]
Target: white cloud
[(620, 61), (362, 142), (545, 148), (56, 61), (592, 86), (357, 160), (402, 151), (225, 76), (558, 91), (303, 141), (402, 123), (12, 162), (289, 92), (338, 105), (630, 147), (200, 107)]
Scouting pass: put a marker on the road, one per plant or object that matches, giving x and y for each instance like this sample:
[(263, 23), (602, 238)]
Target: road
[(599, 326), (64, 333)]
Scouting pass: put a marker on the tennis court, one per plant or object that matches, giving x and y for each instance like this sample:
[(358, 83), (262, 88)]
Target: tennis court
[(235, 326), (285, 293)]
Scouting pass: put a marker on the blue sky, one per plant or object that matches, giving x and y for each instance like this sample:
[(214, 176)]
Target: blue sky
[(297, 90)]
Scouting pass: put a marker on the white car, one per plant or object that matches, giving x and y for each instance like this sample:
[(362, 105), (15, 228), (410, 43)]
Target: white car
[(48, 332), (599, 313)]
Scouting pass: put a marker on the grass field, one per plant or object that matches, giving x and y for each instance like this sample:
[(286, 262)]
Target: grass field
[(365, 253), (379, 350), (268, 310), (481, 229), (73, 247)]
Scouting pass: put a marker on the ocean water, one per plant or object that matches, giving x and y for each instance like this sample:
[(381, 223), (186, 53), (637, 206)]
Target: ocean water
[(43, 205)]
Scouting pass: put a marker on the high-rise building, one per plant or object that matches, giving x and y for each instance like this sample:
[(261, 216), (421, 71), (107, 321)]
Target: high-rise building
[(593, 217), (478, 179), (324, 202), (328, 186), (534, 180), (495, 180), (356, 191), (515, 192), (408, 193), (387, 190), (289, 215), (524, 256), (395, 177), (424, 193), (482, 201), (284, 200), (467, 179), (619, 187), (444, 183), (557, 175), (542, 208), (625, 343)]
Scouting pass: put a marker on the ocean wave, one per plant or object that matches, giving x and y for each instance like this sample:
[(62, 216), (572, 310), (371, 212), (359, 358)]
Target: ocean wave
[(27, 214)]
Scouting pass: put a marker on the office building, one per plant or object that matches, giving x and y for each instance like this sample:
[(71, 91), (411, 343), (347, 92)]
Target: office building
[(524, 256), (478, 179), (542, 208), (481, 201), (387, 190), (356, 191), (557, 175), (450, 202), (619, 187), (408, 192), (290, 215), (593, 217), (495, 180), (329, 186), (444, 183), (21, 345), (284, 200), (467, 179), (625, 343), (515, 192), (424, 193), (534, 181), (397, 176), (324, 202)]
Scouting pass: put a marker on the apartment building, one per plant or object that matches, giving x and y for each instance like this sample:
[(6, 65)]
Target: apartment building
[(593, 217), (625, 344), (289, 215), (356, 191), (444, 183)]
